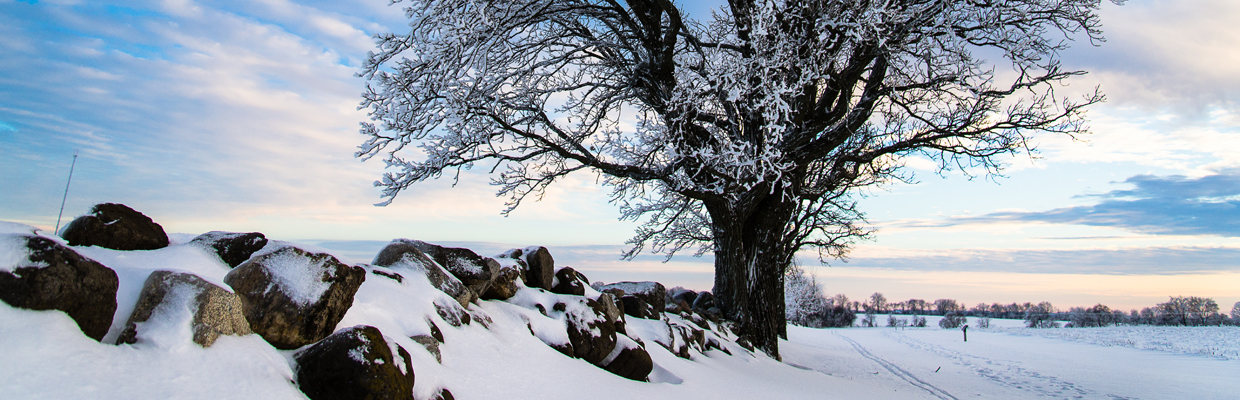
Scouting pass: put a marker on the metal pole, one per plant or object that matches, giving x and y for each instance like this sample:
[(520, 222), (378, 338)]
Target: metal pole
[(66, 197)]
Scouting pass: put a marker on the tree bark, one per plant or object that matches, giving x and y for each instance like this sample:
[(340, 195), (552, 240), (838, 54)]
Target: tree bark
[(749, 267)]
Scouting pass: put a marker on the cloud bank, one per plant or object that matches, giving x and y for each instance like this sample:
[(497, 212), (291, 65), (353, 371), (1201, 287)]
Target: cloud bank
[(1159, 205)]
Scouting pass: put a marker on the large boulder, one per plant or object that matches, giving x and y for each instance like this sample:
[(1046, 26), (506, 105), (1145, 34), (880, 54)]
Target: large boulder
[(539, 266), (634, 306), (117, 227), (232, 248), (475, 271), (652, 293), (629, 360), (355, 363), (591, 335), (611, 309), (402, 254), (173, 297), (49, 276), (293, 298), (568, 281)]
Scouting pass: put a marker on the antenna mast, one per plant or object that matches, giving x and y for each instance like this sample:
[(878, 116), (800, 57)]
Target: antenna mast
[(62, 200)]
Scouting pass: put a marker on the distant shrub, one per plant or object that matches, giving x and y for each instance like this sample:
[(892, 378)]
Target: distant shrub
[(983, 322), (1039, 316), (919, 322), (952, 320), (868, 321), (1040, 321), (894, 322), (831, 317), (1093, 317)]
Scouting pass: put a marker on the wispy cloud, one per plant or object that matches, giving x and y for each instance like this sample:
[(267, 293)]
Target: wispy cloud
[(1161, 205), (1169, 260)]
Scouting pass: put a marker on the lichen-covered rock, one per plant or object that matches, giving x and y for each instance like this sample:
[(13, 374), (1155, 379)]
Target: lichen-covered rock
[(431, 344), (652, 293), (355, 363), (49, 276), (211, 310), (402, 254), (475, 271), (567, 281), (293, 298), (629, 360), (505, 284), (117, 227), (232, 248)]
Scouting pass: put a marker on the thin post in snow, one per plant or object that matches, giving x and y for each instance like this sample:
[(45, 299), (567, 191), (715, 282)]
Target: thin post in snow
[(66, 197)]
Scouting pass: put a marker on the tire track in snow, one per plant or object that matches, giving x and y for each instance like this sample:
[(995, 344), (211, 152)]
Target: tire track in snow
[(897, 371), (1005, 373)]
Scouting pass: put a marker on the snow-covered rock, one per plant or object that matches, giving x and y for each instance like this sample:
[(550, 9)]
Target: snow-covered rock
[(539, 266), (593, 337), (292, 297), (611, 308), (232, 248), (173, 303), (401, 254), (38, 273), (635, 307), (505, 285), (568, 281), (475, 271), (117, 227), (355, 363), (628, 359), (652, 293), (451, 344)]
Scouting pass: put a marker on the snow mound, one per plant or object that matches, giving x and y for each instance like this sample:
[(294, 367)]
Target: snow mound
[(13, 252), (13, 227)]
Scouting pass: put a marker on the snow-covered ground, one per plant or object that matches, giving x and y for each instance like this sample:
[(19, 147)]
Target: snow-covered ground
[(46, 358), (1211, 341), (936, 363), (43, 355)]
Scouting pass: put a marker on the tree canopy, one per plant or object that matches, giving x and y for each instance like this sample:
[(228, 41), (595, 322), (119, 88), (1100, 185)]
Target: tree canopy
[(744, 134)]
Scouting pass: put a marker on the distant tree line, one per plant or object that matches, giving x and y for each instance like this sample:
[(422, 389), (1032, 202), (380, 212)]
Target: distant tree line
[(807, 305)]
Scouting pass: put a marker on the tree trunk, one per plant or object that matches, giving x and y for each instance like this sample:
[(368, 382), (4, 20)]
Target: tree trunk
[(749, 268)]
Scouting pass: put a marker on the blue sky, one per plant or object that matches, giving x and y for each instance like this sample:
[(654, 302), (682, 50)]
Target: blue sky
[(242, 116)]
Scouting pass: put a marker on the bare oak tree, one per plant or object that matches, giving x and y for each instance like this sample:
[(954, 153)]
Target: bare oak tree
[(744, 134)]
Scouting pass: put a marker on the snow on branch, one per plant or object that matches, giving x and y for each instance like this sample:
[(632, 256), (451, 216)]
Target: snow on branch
[(802, 100)]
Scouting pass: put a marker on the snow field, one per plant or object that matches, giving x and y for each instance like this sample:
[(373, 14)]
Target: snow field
[(47, 357)]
